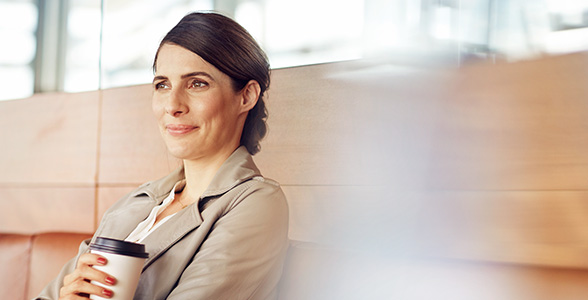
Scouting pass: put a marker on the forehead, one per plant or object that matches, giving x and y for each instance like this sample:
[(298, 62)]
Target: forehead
[(176, 60)]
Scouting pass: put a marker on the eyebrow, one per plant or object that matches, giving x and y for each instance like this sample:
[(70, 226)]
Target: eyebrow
[(184, 76)]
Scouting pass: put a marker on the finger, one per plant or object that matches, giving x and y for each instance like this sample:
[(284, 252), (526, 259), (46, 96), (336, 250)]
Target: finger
[(88, 273), (85, 271), (72, 297), (80, 287), (91, 259), (84, 260), (75, 297)]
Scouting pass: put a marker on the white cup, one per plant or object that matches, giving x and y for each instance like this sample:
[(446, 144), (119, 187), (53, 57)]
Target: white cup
[(125, 262)]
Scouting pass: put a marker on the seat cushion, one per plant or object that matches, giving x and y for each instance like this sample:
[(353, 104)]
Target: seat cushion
[(50, 251), (15, 261)]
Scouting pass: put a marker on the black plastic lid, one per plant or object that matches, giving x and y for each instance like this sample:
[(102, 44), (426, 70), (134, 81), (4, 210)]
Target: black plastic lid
[(119, 247)]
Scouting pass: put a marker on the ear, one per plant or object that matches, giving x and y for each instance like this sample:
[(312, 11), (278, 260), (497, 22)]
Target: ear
[(250, 95)]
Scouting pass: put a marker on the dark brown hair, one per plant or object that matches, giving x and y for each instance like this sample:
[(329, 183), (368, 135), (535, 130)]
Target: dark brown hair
[(226, 45)]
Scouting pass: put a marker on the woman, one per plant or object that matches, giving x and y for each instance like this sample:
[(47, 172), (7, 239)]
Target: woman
[(215, 228)]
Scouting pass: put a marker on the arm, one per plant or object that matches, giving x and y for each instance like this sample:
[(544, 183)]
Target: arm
[(243, 255)]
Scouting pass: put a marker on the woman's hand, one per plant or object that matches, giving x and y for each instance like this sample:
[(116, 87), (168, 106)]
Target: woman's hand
[(77, 284)]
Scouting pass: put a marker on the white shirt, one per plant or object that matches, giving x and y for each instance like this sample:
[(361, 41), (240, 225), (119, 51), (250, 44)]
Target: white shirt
[(146, 227)]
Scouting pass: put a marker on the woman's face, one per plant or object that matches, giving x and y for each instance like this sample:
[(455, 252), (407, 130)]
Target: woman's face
[(198, 111)]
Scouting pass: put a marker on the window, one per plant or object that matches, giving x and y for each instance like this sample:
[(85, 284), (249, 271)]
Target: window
[(18, 25), (80, 45), (81, 53), (132, 32)]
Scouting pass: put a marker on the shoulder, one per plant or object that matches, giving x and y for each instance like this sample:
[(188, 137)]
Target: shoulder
[(258, 194), (264, 180), (257, 206), (261, 188)]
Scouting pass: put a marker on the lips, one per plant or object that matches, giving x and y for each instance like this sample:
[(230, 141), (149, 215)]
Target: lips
[(179, 129)]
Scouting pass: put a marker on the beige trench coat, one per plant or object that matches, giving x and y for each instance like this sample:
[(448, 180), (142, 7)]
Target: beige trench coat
[(230, 244)]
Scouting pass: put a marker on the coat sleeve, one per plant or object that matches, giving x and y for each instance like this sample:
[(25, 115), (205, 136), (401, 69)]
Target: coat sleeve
[(243, 255)]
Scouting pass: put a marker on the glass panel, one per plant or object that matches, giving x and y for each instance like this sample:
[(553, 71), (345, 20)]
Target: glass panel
[(293, 33), (82, 53), (18, 23), (305, 31), (132, 31), (569, 25), (17, 82), (129, 44)]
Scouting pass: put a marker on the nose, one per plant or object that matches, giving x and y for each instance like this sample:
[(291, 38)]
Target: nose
[(176, 105)]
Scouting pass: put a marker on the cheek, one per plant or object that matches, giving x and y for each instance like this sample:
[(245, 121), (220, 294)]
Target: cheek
[(229, 107), (210, 110), (157, 108)]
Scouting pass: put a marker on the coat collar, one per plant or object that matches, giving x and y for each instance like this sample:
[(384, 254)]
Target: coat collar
[(238, 167)]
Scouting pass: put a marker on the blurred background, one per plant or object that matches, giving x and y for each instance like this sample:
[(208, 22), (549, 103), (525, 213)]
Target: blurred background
[(83, 45)]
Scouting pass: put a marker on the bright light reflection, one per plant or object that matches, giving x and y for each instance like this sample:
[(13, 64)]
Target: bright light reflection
[(18, 22), (296, 33), (18, 16), (21, 82), (307, 31), (250, 16), (129, 44), (20, 50)]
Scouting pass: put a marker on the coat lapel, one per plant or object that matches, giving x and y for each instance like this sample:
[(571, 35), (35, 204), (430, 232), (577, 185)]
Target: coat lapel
[(171, 232), (122, 222), (237, 168), (124, 217)]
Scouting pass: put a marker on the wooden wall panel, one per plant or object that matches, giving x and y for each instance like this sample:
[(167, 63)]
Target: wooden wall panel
[(332, 124), (131, 148), (364, 218), (545, 228), (520, 126), (350, 124), (306, 129), (29, 210), (49, 138)]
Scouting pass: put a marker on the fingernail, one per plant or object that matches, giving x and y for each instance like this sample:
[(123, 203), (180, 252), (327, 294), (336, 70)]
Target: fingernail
[(107, 293), (101, 260), (110, 280)]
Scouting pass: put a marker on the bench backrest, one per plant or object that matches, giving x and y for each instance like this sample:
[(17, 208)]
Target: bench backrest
[(486, 163)]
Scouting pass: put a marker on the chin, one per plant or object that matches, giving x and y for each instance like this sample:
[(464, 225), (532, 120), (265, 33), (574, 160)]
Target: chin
[(183, 154), (180, 151)]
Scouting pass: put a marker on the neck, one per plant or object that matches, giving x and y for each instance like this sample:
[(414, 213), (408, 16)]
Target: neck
[(199, 174)]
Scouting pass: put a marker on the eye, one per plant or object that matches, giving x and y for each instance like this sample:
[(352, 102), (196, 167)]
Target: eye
[(196, 83), (160, 85)]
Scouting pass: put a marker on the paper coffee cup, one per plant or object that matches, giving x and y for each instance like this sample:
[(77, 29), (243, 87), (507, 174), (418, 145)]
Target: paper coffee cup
[(125, 262)]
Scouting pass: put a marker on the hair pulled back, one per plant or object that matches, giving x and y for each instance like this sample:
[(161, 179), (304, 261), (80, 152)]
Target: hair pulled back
[(226, 45)]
